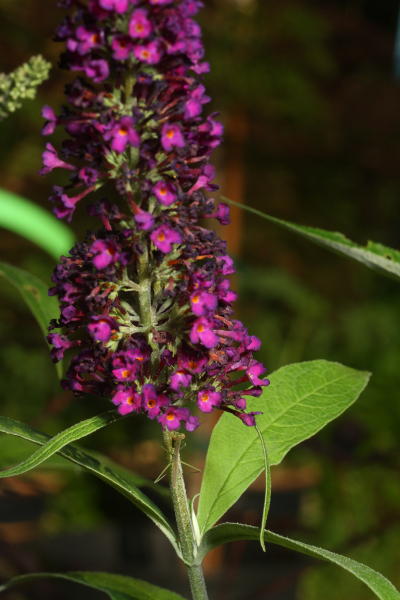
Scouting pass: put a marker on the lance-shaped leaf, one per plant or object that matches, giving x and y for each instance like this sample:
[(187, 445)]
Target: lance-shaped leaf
[(119, 478), (86, 459), (35, 294), (35, 224), (59, 441), (232, 532), (117, 587), (301, 400), (374, 255)]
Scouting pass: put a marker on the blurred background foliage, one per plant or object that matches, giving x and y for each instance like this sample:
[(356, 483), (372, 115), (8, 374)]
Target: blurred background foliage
[(311, 107)]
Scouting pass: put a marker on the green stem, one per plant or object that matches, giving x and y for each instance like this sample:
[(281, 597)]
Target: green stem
[(186, 535), (145, 303), (129, 85)]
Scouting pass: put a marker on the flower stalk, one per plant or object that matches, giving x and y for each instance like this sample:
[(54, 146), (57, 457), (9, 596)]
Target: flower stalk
[(146, 301), (186, 534)]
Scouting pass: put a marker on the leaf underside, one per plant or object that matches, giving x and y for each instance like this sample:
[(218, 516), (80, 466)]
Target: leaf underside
[(374, 255), (117, 587)]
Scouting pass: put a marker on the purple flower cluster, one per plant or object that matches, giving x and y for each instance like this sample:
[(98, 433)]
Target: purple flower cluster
[(146, 302)]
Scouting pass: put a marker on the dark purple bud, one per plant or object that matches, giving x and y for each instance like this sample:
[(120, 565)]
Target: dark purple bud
[(60, 344), (249, 419)]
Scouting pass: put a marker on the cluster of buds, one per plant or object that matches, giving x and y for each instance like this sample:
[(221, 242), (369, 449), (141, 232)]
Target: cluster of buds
[(146, 303), (22, 84)]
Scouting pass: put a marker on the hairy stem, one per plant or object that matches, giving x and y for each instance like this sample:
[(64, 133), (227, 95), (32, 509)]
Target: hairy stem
[(187, 538), (145, 303)]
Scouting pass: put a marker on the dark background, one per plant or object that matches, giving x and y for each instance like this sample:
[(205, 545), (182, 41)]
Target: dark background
[(312, 113)]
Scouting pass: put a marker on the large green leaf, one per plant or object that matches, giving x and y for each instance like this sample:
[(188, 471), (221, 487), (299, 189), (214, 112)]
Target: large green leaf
[(232, 532), (35, 293), (121, 479), (59, 441), (374, 255), (117, 587), (301, 400), (35, 224)]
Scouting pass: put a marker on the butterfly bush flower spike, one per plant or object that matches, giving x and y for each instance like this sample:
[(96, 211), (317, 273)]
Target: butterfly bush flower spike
[(146, 305)]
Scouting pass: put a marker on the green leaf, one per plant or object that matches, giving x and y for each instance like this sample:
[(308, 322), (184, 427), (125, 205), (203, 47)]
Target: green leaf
[(13, 449), (301, 400), (117, 587), (375, 256), (232, 532), (35, 294), (119, 478), (59, 441), (35, 224)]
